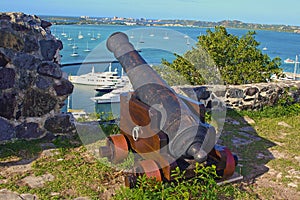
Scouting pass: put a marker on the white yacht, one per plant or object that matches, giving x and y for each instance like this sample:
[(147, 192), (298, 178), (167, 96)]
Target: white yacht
[(109, 78), (114, 95)]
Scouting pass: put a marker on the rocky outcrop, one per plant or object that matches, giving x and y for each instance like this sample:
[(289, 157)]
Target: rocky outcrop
[(33, 87), (245, 97)]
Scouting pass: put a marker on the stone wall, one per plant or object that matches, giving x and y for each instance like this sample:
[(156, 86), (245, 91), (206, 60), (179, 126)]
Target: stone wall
[(33, 87), (245, 97)]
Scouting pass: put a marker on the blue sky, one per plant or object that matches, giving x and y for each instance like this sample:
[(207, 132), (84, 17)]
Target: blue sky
[(256, 11)]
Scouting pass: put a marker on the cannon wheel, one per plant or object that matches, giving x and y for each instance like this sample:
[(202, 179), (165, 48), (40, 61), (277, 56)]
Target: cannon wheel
[(120, 147), (150, 168)]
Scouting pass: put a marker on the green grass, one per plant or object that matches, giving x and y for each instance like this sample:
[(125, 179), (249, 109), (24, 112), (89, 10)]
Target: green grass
[(78, 173)]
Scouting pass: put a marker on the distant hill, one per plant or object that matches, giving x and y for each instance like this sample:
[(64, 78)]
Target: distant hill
[(65, 20)]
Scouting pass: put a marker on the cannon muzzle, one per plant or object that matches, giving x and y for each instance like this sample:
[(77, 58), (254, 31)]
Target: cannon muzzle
[(187, 135)]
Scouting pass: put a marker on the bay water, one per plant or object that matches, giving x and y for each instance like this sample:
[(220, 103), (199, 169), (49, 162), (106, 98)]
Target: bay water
[(155, 44)]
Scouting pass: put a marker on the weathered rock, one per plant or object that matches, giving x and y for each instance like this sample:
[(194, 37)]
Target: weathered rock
[(7, 104), (64, 87), (7, 78), (45, 24), (28, 131), (7, 194), (6, 130), (29, 197), (246, 97), (25, 61), (251, 91), (59, 124), (31, 44), (43, 82), (235, 93), (37, 104), (48, 49), (3, 60), (11, 41), (50, 69), (37, 181)]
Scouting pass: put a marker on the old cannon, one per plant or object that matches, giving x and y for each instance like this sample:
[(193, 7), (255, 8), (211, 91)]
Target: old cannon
[(166, 129)]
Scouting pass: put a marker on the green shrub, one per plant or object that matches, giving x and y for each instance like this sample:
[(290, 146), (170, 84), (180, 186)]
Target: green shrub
[(201, 186)]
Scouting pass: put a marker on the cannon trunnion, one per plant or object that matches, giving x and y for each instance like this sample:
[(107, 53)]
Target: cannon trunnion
[(165, 129)]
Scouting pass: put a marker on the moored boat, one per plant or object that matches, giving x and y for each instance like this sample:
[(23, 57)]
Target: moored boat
[(289, 61), (108, 78)]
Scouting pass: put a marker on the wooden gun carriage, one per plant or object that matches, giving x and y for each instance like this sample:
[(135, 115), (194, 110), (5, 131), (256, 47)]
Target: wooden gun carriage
[(165, 129)]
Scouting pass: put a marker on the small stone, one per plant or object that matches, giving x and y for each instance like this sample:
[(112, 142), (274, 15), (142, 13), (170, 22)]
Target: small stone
[(248, 120), (18, 169), (9, 195), (29, 197), (294, 185), (37, 181), (284, 124), (279, 176), (251, 91), (49, 153), (82, 198), (54, 193)]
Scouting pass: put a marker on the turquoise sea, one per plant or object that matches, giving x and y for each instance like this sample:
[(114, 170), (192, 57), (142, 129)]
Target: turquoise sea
[(154, 43)]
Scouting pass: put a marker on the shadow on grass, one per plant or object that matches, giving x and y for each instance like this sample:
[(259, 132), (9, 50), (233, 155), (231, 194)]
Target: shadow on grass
[(240, 135), (22, 152)]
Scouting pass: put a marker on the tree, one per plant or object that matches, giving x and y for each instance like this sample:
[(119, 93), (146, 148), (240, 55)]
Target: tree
[(238, 60)]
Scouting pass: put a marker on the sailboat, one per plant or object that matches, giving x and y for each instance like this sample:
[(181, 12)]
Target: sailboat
[(166, 37), (74, 54), (187, 41), (70, 38), (93, 37), (87, 47), (74, 45), (63, 33), (131, 35), (80, 36)]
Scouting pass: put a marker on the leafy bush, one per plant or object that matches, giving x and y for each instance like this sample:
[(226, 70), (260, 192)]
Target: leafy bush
[(237, 59), (201, 186)]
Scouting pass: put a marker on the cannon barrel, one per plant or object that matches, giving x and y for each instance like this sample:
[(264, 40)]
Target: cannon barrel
[(188, 136)]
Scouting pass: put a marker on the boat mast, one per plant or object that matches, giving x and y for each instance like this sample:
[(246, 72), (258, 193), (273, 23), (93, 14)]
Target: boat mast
[(295, 67), (109, 68)]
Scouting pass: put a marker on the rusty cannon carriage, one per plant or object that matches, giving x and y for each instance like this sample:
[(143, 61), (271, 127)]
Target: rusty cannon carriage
[(165, 129)]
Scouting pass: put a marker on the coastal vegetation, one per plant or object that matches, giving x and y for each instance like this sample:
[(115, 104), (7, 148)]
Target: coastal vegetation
[(65, 20), (237, 60)]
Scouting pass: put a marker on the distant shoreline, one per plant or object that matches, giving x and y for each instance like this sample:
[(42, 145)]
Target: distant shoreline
[(85, 20)]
